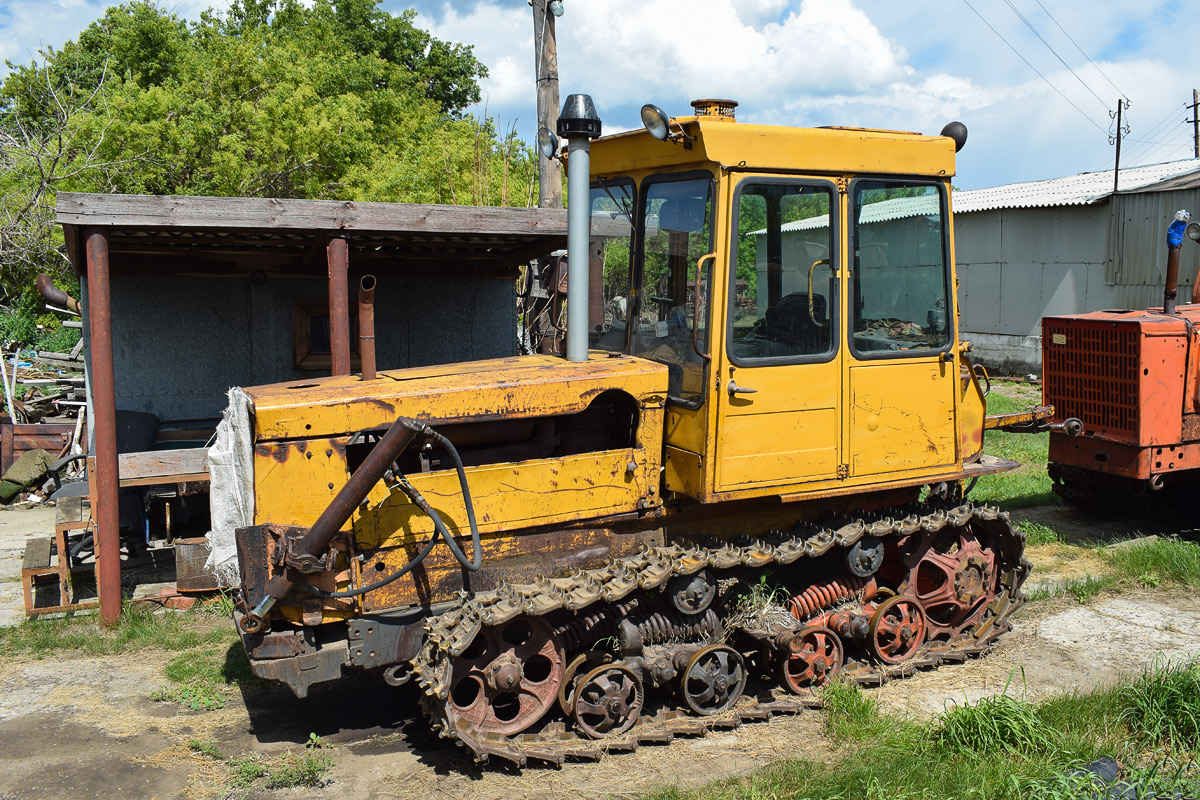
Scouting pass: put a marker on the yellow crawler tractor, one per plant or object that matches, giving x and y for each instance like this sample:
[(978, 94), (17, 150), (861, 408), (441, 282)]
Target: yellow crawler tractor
[(746, 478)]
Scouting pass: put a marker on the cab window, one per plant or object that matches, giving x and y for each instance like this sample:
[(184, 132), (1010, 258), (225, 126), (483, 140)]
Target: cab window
[(783, 301), (609, 263), (677, 222), (900, 299)]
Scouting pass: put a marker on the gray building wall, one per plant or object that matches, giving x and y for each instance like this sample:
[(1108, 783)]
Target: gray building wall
[(1016, 266), (179, 343)]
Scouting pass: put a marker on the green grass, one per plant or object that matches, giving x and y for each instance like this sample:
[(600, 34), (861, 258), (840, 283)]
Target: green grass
[(998, 747), (1158, 561), (206, 747), (1163, 706), (139, 628), (1029, 485), (995, 725), (1082, 589), (1036, 533), (284, 771), (202, 677)]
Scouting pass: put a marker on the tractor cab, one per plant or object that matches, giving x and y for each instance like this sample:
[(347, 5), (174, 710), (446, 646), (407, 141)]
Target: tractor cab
[(797, 283)]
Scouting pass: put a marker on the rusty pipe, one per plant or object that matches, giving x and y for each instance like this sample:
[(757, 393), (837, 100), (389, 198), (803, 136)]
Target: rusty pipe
[(366, 326), (54, 295), (308, 550), (1172, 288), (337, 255), (106, 477), (307, 554)]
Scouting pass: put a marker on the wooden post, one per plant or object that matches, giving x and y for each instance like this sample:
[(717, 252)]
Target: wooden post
[(338, 258), (546, 72), (105, 477)]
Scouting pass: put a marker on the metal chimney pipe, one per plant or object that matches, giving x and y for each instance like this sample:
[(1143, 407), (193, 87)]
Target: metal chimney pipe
[(1172, 289), (1174, 240), (578, 124), (366, 326)]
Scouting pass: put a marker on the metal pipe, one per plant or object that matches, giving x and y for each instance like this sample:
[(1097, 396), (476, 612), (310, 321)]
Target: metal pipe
[(579, 234), (338, 258), (104, 430), (305, 553), (1172, 288), (366, 326), (54, 295)]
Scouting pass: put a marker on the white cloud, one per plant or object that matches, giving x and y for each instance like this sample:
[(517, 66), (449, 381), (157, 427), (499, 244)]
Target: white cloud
[(631, 49), (873, 63)]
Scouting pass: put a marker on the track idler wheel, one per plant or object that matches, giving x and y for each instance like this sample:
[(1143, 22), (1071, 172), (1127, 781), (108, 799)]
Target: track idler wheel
[(714, 679), (897, 629), (815, 656), (607, 700), (507, 678)]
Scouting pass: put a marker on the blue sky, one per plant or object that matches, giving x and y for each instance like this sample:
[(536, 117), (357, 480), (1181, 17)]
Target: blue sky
[(902, 64)]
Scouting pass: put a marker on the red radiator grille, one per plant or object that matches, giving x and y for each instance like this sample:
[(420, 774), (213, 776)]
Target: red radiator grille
[(1090, 371)]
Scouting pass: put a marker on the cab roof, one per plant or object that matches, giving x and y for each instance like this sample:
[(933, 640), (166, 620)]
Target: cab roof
[(769, 148)]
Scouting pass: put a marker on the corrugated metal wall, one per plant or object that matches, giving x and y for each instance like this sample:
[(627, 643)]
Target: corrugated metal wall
[(1136, 262), (1016, 266)]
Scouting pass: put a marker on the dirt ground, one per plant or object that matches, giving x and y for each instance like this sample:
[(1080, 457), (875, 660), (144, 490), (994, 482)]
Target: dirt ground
[(74, 727)]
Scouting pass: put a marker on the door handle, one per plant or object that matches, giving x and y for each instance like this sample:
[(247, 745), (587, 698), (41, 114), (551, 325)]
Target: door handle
[(735, 390)]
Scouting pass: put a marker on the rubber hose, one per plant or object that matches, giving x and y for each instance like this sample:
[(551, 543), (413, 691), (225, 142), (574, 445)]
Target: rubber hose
[(477, 559)]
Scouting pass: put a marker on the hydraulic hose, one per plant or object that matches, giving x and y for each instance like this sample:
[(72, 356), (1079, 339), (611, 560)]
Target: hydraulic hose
[(440, 530)]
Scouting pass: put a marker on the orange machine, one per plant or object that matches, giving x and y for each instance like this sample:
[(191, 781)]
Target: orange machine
[(1130, 379)]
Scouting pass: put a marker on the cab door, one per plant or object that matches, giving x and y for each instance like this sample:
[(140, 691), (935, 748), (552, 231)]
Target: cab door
[(779, 373), (901, 372)]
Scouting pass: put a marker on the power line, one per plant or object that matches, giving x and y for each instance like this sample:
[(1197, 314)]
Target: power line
[(1080, 49), (1149, 135), (1040, 75), (1042, 39)]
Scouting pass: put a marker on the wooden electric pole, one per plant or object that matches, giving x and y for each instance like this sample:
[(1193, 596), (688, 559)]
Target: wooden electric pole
[(1195, 120), (1121, 103), (546, 66)]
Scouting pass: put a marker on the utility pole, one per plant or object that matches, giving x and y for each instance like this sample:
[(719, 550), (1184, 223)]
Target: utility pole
[(1195, 120), (546, 71), (1121, 103)]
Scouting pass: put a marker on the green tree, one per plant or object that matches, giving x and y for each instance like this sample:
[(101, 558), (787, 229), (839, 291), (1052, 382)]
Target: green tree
[(269, 98)]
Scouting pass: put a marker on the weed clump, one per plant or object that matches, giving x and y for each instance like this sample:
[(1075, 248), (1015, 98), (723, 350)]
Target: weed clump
[(999, 724), (1163, 706), (285, 771)]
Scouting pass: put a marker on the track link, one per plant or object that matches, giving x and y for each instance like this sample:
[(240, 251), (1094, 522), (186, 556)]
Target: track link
[(449, 634)]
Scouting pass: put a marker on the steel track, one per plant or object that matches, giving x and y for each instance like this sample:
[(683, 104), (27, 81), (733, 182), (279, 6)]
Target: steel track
[(449, 634)]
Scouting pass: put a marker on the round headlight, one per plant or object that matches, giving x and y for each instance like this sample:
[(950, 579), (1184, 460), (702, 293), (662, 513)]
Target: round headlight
[(656, 121), (547, 142)]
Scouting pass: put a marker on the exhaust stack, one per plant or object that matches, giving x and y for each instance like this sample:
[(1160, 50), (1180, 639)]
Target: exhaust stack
[(1175, 234), (578, 124), (366, 326)]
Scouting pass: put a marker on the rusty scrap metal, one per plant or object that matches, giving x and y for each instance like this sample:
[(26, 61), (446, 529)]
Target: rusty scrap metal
[(54, 295)]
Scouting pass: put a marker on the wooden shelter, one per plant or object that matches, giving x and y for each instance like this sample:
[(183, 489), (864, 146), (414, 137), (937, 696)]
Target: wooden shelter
[(184, 297)]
